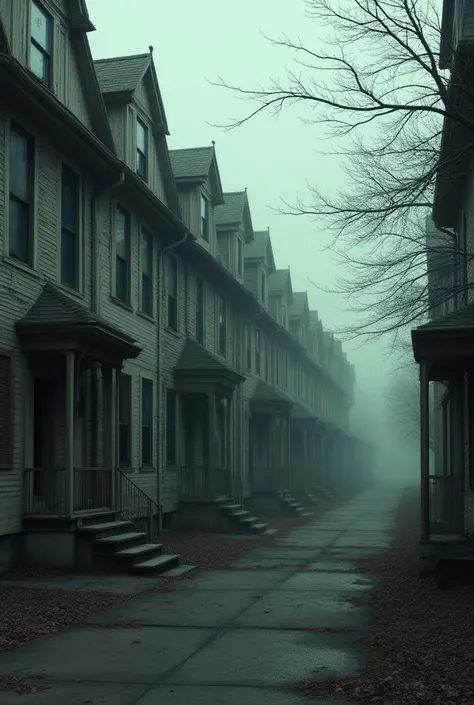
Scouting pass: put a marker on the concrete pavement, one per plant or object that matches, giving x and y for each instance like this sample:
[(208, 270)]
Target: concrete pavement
[(282, 614)]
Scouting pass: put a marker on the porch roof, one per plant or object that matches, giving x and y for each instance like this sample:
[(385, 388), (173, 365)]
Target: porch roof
[(301, 412), (199, 370), (56, 321), (446, 343), (267, 398)]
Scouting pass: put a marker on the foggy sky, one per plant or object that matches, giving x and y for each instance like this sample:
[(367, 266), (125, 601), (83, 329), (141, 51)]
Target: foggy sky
[(273, 157)]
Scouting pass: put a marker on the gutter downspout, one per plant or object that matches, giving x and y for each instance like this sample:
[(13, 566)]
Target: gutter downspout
[(95, 296), (159, 331)]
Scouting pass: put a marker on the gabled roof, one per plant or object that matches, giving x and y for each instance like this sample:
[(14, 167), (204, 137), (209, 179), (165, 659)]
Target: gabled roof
[(196, 165), (299, 411), (199, 369), (300, 303), (314, 320), (279, 281), (260, 248), (53, 308), (121, 74), (234, 213), (265, 392), (194, 356)]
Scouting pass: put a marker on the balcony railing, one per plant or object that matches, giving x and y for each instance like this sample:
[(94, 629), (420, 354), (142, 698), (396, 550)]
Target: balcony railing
[(446, 502), (45, 491)]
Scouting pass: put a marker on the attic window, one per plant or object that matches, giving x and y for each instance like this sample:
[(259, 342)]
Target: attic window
[(41, 27), (142, 150), (204, 218)]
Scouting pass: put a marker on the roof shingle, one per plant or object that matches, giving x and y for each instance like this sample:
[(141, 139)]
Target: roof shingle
[(462, 319), (195, 357), (232, 211), (264, 392), (300, 299), (121, 74), (278, 280), (191, 163)]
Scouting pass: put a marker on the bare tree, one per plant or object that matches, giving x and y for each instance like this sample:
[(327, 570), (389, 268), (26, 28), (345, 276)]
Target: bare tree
[(379, 92), (403, 405)]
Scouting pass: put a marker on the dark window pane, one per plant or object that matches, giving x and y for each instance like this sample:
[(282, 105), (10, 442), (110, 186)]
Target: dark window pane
[(172, 313), (121, 234), (141, 166), (172, 277), (39, 64), (147, 422), (121, 280), (170, 428), (20, 166), (70, 199), (141, 137), (147, 295), (146, 252), (122, 249), (124, 446), (41, 27), (125, 414), (200, 310), (146, 446), (68, 258), (19, 233), (222, 326)]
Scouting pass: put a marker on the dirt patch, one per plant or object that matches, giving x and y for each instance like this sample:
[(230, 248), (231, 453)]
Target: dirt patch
[(421, 641)]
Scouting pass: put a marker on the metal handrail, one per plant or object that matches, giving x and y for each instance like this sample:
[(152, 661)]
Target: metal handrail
[(136, 506)]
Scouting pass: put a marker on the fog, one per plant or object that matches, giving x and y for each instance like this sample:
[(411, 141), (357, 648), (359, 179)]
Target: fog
[(275, 158)]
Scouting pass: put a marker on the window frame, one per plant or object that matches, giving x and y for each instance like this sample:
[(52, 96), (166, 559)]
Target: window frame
[(263, 287), (128, 261), (30, 190), (240, 257), (128, 425), (258, 351), (200, 308), (147, 277), (64, 228), (148, 384), (139, 152), (172, 322), (205, 218), (222, 325), (171, 448), (47, 53), (248, 347)]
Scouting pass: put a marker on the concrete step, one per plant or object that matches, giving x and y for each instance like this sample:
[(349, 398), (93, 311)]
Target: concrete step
[(179, 571), (138, 553), (241, 514), (259, 528), (116, 542), (106, 528), (231, 507), (248, 520), (155, 565)]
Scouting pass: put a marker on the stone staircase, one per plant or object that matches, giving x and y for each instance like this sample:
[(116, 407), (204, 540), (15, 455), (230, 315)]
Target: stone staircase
[(240, 518), (108, 542), (289, 502)]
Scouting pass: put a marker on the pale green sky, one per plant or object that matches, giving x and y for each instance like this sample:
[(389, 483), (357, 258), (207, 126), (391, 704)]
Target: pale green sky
[(273, 157)]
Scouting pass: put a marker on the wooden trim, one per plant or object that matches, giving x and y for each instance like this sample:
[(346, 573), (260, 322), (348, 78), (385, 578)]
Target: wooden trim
[(10, 410)]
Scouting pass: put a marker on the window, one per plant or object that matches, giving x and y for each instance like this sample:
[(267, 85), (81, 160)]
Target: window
[(70, 199), (286, 370), (204, 218), (267, 361), (147, 423), (248, 343), (6, 411), (21, 196), (125, 420), (41, 27), (200, 310), (240, 257), (172, 289), (122, 255), (142, 150), (263, 287), (146, 265), (257, 351), (222, 325), (170, 427)]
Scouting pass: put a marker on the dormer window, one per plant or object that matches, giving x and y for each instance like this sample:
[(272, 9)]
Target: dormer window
[(263, 287), (204, 218), (142, 150), (41, 27), (240, 257)]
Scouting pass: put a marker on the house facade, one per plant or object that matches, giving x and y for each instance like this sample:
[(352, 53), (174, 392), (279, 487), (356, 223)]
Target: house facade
[(443, 346), (153, 360)]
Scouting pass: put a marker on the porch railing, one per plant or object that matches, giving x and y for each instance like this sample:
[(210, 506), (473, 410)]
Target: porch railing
[(45, 490), (136, 506), (446, 502), (195, 482)]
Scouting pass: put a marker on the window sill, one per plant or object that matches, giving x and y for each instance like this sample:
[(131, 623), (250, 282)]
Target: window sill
[(122, 304), (21, 266), (173, 332), (73, 292), (146, 316), (147, 469), (172, 466), (127, 470)]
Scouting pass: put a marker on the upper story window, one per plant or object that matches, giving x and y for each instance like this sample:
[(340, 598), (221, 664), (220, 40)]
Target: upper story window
[(171, 408), (70, 199), (222, 325), (267, 360), (240, 257), (172, 290), (248, 344), (41, 27), (284, 316), (146, 266), (263, 287), (205, 224), (257, 351), (125, 420), (122, 255), (21, 195), (200, 310), (147, 423), (142, 150)]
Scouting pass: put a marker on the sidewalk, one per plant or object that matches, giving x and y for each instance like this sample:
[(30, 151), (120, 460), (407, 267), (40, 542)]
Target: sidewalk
[(281, 615)]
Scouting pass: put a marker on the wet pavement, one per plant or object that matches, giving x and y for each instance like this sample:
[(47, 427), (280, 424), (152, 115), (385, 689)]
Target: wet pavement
[(282, 614)]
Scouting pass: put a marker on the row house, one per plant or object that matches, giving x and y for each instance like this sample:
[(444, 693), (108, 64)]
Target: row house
[(153, 360), (443, 346)]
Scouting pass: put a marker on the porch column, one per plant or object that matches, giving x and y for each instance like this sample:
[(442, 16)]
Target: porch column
[(424, 451), (69, 432), (109, 376), (212, 442)]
